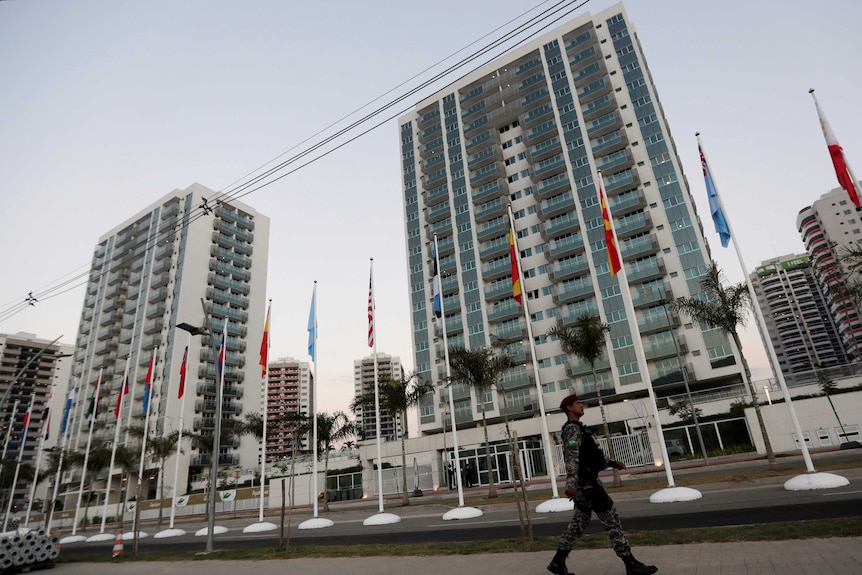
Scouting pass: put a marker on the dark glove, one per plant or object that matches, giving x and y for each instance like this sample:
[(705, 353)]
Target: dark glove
[(617, 464), (570, 493)]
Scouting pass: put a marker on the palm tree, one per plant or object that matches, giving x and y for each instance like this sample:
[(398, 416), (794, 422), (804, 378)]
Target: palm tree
[(726, 308), (160, 449), (479, 369), (99, 460), (396, 396), (330, 430), (586, 340)]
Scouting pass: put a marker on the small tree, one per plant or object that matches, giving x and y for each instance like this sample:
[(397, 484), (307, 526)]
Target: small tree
[(331, 429), (828, 387), (396, 396), (726, 308)]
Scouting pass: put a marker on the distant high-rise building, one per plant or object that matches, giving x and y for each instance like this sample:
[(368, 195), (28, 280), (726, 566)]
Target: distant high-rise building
[(797, 318), (826, 226), (185, 259), (31, 369), (533, 129), (289, 387), (391, 426)]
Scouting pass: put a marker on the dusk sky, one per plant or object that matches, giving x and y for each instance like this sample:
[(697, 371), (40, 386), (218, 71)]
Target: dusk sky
[(108, 106)]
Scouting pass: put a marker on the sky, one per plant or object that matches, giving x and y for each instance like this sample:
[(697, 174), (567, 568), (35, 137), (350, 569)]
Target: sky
[(108, 106)]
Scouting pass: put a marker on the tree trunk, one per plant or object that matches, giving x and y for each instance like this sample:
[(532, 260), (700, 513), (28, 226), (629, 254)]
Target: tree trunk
[(605, 429), (770, 456), (405, 499), (162, 489), (492, 488)]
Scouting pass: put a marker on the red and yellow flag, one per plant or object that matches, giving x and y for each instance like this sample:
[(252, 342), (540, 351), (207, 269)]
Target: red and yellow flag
[(516, 278), (613, 253), (264, 345)]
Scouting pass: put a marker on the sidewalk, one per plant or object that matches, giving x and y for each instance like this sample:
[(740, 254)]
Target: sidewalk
[(832, 556)]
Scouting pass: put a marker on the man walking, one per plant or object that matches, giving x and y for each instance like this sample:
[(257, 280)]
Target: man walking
[(584, 461)]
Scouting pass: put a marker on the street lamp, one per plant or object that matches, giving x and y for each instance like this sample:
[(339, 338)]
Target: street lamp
[(195, 330)]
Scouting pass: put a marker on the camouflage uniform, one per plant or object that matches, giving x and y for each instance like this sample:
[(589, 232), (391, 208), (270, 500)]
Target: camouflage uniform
[(584, 459)]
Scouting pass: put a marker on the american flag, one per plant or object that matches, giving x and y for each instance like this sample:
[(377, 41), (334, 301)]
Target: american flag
[(371, 309)]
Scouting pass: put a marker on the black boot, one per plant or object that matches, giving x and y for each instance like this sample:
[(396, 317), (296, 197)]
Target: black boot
[(635, 567), (557, 566)]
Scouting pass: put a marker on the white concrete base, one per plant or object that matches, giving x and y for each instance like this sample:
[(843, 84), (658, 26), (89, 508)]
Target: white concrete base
[(815, 480), (217, 529), (76, 539), (169, 533), (260, 527), (555, 505), (315, 523), (100, 537), (672, 494), (131, 535), (382, 519), (463, 512)]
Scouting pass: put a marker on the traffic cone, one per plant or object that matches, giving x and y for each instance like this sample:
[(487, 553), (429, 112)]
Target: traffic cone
[(118, 544)]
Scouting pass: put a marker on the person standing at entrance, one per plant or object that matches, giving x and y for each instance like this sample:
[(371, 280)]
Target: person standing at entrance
[(584, 460)]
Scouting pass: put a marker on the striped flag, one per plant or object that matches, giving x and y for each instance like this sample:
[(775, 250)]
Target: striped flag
[(148, 381), (836, 152), (437, 303), (371, 308), (222, 352), (516, 277), (92, 408), (46, 417), (124, 389), (26, 425), (183, 368), (312, 325), (613, 253), (264, 344), (68, 409)]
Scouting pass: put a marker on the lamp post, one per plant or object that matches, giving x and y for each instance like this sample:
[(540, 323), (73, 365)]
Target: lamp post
[(194, 330)]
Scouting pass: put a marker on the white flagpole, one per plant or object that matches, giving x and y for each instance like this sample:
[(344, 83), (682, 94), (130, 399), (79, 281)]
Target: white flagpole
[(180, 434), (18, 463), (814, 480), (462, 511), (546, 436), (151, 372), (86, 456), (672, 492), (371, 306), (117, 425), (9, 433), (67, 408), (265, 412), (38, 463)]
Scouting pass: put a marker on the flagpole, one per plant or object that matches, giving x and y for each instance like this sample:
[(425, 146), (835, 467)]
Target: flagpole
[(23, 442), (555, 504), (63, 442), (148, 391), (671, 493), (185, 368), (839, 162), (117, 425), (462, 511), (46, 414), (8, 434), (315, 522), (86, 458), (812, 480)]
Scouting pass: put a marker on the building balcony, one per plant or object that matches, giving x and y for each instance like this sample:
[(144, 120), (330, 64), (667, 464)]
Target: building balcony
[(645, 269), (499, 290), (497, 269), (545, 149), (507, 309), (489, 210), (437, 194), (508, 332), (565, 246), (608, 143), (541, 113), (487, 173), (494, 249), (632, 224), (628, 201), (492, 228), (570, 291), (639, 247), (577, 367), (658, 322), (648, 297), (493, 189), (569, 267), (556, 206), (537, 133), (564, 224), (438, 212), (484, 157), (549, 167), (603, 125)]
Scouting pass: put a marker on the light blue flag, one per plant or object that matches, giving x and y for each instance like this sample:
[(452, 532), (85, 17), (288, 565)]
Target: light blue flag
[(714, 206), (312, 325)]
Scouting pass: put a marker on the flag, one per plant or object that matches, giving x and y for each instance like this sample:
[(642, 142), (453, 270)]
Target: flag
[(148, 382), (371, 309), (312, 325), (46, 417), (437, 304), (68, 409), (842, 170), (718, 219), (183, 369), (222, 352), (25, 425), (124, 389), (264, 344), (517, 293), (93, 408), (613, 253)]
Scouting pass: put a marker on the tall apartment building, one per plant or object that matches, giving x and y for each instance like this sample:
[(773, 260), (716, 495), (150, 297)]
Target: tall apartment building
[(532, 129), (31, 369), (289, 389), (826, 226), (796, 313), (182, 259), (391, 426)]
